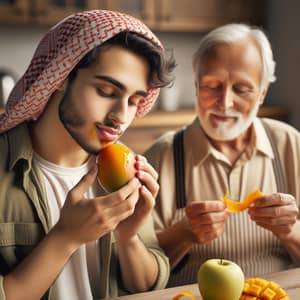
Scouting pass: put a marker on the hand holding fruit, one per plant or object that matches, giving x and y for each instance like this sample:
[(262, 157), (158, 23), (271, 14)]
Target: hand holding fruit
[(207, 220), (117, 165), (83, 220), (276, 212), (147, 176)]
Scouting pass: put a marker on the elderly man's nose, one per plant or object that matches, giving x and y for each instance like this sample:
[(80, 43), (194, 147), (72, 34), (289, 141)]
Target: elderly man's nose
[(226, 99)]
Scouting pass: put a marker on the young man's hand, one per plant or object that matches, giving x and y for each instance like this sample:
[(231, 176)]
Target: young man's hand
[(83, 220), (147, 193)]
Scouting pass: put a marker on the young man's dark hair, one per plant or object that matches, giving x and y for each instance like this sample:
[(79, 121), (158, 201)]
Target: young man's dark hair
[(161, 67)]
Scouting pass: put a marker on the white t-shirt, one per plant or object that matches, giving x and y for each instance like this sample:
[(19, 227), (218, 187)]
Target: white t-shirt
[(81, 273)]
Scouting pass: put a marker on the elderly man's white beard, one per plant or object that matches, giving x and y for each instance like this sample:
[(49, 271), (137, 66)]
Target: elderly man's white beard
[(227, 131)]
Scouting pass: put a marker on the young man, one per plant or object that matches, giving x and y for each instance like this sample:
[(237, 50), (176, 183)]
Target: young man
[(227, 148), (61, 236)]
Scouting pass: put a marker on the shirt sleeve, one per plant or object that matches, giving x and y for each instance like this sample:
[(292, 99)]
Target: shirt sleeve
[(2, 294), (148, 236)]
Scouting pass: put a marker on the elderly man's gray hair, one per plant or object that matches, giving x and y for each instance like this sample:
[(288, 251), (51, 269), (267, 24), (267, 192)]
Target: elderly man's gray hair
[(231, 33)]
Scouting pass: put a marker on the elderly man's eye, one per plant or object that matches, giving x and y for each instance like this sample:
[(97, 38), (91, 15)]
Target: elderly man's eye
[(243, 90), (214, 87), (211, 87)]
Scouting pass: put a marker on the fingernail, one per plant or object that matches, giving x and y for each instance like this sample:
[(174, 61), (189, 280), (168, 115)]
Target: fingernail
[(137, 181)]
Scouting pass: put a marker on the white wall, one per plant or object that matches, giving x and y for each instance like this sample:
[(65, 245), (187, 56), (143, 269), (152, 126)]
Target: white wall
[(17, 46), (184, 45)]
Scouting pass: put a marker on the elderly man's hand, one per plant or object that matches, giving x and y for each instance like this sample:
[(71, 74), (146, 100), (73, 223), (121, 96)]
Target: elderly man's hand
[(207, 219), (276, 212)]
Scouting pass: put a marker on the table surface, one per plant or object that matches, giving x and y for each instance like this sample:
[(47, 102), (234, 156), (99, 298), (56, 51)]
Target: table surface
[(289, 280)]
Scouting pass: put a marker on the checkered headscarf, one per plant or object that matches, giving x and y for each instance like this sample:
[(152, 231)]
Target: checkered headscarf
[(57, 54)]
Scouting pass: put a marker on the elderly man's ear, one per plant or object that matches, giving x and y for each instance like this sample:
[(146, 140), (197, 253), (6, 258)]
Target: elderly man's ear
[(263, 95)]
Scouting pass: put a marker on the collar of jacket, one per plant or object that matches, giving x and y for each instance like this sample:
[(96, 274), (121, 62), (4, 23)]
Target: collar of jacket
[(20, 146)]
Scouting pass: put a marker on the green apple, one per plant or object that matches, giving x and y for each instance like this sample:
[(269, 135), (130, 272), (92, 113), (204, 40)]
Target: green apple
[(220, 279)]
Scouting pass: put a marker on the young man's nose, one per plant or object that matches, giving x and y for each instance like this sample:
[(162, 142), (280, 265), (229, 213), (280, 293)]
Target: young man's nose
[(119, 114)]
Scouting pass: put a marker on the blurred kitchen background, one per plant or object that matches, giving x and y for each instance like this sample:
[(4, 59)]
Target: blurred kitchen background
[(180, 25)]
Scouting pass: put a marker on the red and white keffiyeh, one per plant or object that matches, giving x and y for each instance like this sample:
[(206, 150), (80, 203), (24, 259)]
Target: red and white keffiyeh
[(56, 55)]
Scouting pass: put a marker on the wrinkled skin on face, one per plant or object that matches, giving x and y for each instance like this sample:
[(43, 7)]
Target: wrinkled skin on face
[(228, 89)]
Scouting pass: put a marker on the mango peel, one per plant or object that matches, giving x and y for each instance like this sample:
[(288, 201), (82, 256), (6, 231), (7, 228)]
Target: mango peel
[(184, 295), (115, 166), (233, 206)]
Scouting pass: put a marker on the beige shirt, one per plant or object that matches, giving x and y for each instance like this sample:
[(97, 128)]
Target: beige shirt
[(209, 174)]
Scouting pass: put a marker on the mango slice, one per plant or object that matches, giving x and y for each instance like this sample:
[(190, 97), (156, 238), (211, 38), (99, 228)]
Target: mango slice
[(115, 166), (233, 206), (184, 295), (261, 289)]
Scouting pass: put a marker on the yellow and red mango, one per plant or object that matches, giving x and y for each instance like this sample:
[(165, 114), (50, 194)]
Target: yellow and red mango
[(115, 166), (257, 288)]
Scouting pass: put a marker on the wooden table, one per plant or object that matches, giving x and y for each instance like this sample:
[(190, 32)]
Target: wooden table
[(289, 280)]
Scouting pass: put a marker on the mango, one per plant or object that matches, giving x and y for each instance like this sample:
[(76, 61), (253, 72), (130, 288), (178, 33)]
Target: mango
[(261, 289), (115, 166)]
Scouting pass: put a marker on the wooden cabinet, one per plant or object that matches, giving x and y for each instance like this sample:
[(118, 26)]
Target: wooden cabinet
[(15, 11), (190, 15), (50, 12), (42, 12), (145, 10), (202, 15), (159, 15)]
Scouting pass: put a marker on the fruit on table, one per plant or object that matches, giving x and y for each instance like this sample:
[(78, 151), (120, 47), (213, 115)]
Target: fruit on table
[(261, 289), (234, 206), (115, 166), (184, 295), (220, 279)]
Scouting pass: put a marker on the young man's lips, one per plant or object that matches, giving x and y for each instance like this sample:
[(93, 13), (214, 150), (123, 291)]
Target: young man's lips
[(107, 134)]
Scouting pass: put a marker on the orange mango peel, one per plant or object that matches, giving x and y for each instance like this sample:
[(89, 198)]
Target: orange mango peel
[(184, 295), (233, 206)]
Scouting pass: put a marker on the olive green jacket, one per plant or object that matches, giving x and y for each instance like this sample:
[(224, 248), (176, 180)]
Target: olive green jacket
[(25, 218)]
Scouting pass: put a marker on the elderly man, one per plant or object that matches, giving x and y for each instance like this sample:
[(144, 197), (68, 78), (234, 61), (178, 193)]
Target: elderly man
[(62, 237), (228, 149)]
